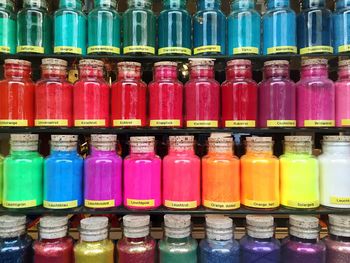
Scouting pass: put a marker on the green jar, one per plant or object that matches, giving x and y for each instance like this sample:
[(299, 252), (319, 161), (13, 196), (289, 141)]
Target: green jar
[(34, 28), (23, 173), (7, 27), (139, 28)]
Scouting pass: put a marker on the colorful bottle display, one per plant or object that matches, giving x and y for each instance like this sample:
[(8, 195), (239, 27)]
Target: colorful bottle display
[(8, 28), (341, 31), (342, 95)]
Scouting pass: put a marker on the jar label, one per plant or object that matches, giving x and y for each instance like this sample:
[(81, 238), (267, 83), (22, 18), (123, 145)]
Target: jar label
[(143, 49), (164, 123), (221, 205), (82, 123), (14, 123), (181, 205), (175, 50), (303, 204), (245, 50), (5, 49), (51, 122), (31, 49), (282, 49), (233, 124), (316, 49), (19, 204), (140, 203), (118, 123), (336, 200), (65, 49), (99, 203), (319, 123), (345, 122), (101, 49), (205, 49), (61, 205), (281, 123), (344, 48), (202, 124), (261, 204)]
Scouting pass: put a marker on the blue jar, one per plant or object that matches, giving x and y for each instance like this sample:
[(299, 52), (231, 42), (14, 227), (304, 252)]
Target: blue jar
[(315, 28), (70, 28), (209, 26), (341, 26), (174, 29), (63, 174), (279, 28)]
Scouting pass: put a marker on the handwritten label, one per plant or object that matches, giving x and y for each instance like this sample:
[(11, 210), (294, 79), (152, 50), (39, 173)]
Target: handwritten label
[(175, 50), (181, 205), (103, 49), (13, 123), (164, 123), (30, 49), (316, 49), (299, 204), (282, 49), (261, 204), (202, 124), (5, 49), (281, 123), (221, 205), (245, 50), (140, 203), (51, 122), (336, 200), (319, 123), (99, 203), (118, 123), (61, 205), (19, 204), (205, 49), (239, 124), (143, 49), (87, 123), (65, 49)]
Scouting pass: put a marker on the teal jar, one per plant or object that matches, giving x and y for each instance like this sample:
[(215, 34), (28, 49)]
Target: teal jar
[(139, 28), (34, 28), (104, 28), (7, 27), (70, 28)]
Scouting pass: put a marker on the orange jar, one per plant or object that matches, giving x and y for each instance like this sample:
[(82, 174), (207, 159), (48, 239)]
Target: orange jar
[(220, 175), (260, 174)]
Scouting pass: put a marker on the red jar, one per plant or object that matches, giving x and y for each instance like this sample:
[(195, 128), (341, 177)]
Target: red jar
[(91, 95), (202, 95), (165, 96), (239, 95), (129, 97), (53, 95), (17, 94)]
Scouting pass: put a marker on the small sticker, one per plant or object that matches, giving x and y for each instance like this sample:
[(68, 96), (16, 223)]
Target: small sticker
[(30, 49), (61, 205), (174, 50), (221, 205), (164, 123), (143, 49), (261, 204), (319, 123), (118, 123), (82, 123), (13, 123), (336, 200), (140, 203), (202, 124), (19, 204), (299, 204), (239, 124), (180, 205), (205, 49), (345, 122), (281, 123), (65, 49), (103, 49), (99, 203), (282, 49), (53, 123), (5, 49), (245, 50), (316, 49), (344, 48)]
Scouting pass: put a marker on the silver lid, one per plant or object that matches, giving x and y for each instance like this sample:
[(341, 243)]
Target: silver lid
[(276, 63), (129, 64), (239, 62), (142, 144), (339, 225), (94, 229), (314, 61), (64, 142), (19, 62), (91, 62), (104, 142), (219, 227), (136, 226), (177, 226), (52, 227), (54, 62), (344, 63), (260, 226), (24, 142), (306, 227), (12, 226)]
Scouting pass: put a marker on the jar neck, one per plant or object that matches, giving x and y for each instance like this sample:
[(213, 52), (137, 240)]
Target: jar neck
[(178, 240), (14, 238), (146, 4), (54, 240), (342, 4), (91, 72), (277, 4), (130, 73), (259, 148), (16, 71), (303, 240), (336, 147), (202, 72), (181, 149), (75, 4), (23, 152), (175, 4), (242, 4), (267, 239), (339, 238), (165, 72), (63, 152), (208, 4), (313, 3), (344, 73), (276, 72), (320, 71), (238, 72), (54, 73), (95, 151), (136, 240)]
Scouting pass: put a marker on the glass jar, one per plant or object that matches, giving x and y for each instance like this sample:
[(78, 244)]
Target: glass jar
[(277, 96), (139, 28), (103, 173), (260, 174), (315, 95), (299, 172), (334, 165), (63, 174), (219, 245), (142, 175), (15, 244), (136, 245), (174, 28), (315, 30), (1, 176), (220, 175), (341, 30), (209, 28), (177, 246), (202, 95), (129, 94), (54, 245), (181, 174), (8, 27), (239, 95), (54, 95), (279, 28), (23, 173), (303, 244), (91, 95), (342, 95), (165, 96), (70, 28), (94, 244), (259, 242), (17, 94)]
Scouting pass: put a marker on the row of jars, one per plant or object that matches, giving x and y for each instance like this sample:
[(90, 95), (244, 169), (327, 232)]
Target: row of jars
[(177, 246), (315, 101), (144, 181)]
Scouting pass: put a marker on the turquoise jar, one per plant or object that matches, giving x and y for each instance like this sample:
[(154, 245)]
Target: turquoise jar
[(70, 28), (104, 28), (243, 28), (174, 29), (7, 27)]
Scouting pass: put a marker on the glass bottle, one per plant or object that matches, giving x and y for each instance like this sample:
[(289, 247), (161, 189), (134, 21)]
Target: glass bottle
[(209, 28), (260, 174), (70, 28), (202, 95), (303, 244), (139, 28), (136, 245), (54, 244), (103, 173), (338, 239), (142, 175), (239, 95), (104, 28), (177, 246), (315, 30), (15, 244), (1, 176), (219, 245), (63, 174), (17, 94), (243, 28), (94, 246), (8, 27), (53, 95), (91, 95), (34, 28), (342, 95), (315, 95), (341, 26), (23, 173), (165, 96), (299, 174), (334, 165), (129, 94), (220, 175), (259, 243)]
